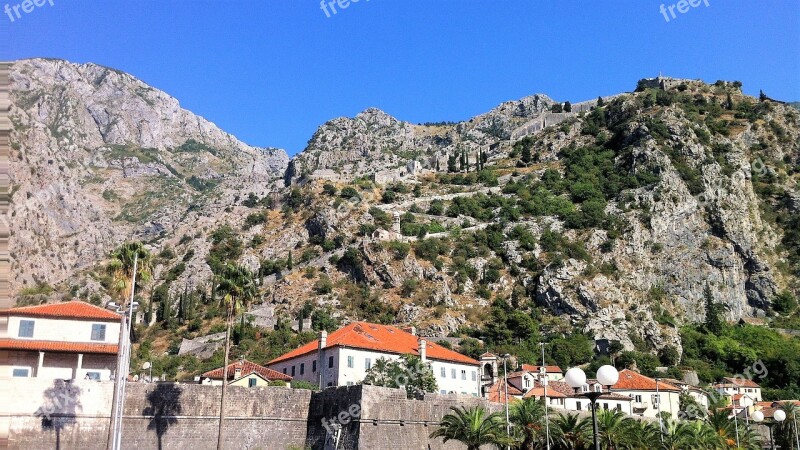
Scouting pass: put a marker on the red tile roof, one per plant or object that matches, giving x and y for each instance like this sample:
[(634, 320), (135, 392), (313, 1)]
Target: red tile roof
[(247, 367), (633, 381), (738, 382), (67, 310), (496, 393), (57, 346), (381, 338), (548, 369)]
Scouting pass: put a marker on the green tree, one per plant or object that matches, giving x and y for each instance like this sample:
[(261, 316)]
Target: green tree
[(472, 427), (567, 106), (784, 303), (408, 372), (527, 418), (714, 321), (238, 289), (571, 432)]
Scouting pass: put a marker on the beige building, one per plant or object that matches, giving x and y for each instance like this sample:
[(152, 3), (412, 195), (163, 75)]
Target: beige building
[(649, 396), (69, 340)]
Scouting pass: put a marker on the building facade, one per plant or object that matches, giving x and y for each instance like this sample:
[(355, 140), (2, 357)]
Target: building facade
[(344, 357), (69, 340)]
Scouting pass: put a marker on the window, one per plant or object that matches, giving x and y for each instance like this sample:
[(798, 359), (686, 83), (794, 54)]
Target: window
[(444, 372), (474, 375), (605, 406), (98, 332), (367, 363), (638, 399), (26, 328), (619, 407), (453, 373), (527, 382), (94, 376), (313, 366), (302, 368), (252, 382), (579, 406), (20, 373), (284, 370), (351, 361), (463, 374), (330, 362), (292, 370)]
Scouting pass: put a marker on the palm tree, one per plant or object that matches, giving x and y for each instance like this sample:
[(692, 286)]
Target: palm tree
[(786, 433), (526, 417), (128, 258), (238, 288), (643, 434), (723, 427), (571, 432), (472, 427), (614, 429), (694, 434), (120, 267)]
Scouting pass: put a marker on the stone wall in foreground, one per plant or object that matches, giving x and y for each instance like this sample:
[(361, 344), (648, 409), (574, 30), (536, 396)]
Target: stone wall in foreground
[(46, 415)]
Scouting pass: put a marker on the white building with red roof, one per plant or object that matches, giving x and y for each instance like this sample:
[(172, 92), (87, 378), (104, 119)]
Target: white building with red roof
[(344, 357), (730, 387), (650, 395), (244, 373), (69, 340)]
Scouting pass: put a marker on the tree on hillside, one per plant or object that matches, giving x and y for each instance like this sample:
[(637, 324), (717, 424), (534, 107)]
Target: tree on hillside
[(567, 106), (408, 372), (238, 289), (451, 163), (714, 321)]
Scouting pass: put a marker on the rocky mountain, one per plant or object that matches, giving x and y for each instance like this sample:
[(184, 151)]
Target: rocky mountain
[(100, 157), (621, 217)]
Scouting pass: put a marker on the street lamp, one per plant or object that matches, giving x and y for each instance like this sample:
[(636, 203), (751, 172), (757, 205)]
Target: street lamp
[(505, 379), (576, 378), (545, 382), (777, 417)]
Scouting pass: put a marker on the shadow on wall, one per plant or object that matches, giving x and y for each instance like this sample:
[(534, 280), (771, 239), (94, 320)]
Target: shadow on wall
[(165, 404), (59, 408)]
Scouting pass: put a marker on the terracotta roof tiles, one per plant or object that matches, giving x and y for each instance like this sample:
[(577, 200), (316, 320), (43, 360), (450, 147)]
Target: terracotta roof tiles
[(66, 310), (247, 367), (381, 338)]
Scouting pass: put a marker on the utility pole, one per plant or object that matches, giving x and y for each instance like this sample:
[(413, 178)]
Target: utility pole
[(546, 414), (120, 377)]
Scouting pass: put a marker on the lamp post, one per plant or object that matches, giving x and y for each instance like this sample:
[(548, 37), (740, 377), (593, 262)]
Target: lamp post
[(546, 414), (576, 378), (658, 412), (777, 417), (505, 382)]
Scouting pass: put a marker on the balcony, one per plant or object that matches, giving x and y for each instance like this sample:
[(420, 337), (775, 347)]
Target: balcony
[(640, 406)]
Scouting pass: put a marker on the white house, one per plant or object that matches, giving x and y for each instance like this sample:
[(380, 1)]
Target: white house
[(344, 357), (561, 396), (69, 340), (729, 387), (650, 396), (244, 373), (697, 393)]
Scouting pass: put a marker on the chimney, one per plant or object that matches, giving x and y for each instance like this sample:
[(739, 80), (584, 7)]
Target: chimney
[(323, 339), (323, 342), (423, 350), (410, 330)]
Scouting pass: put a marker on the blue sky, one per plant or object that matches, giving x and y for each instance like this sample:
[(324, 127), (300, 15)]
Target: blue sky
[(271, 71)]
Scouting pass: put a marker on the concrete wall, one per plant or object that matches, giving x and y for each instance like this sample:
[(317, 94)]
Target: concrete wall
[(48, 415)]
